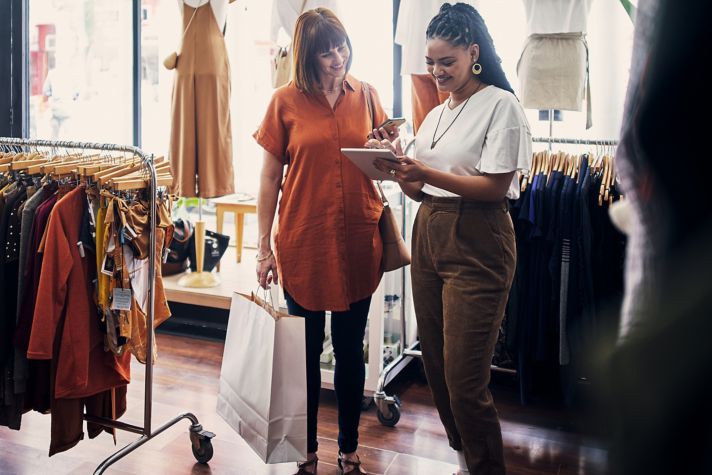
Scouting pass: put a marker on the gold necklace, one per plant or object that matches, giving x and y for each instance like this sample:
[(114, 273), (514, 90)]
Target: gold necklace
[(435, 141)]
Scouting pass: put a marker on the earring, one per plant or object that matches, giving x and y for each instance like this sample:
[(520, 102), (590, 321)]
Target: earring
[(476, 68)]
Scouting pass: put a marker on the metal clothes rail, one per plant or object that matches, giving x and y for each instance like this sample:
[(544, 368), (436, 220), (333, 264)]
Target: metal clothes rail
[(560, 140), (200, 438)]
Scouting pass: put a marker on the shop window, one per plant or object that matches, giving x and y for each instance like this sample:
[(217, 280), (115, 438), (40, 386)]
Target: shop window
[(80, 70), (160, 35)]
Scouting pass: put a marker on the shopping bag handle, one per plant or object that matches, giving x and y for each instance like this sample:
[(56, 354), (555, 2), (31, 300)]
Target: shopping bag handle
[(265, 293), (266, 304)]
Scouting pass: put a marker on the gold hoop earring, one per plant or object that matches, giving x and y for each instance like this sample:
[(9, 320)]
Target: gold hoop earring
[(476, 69)]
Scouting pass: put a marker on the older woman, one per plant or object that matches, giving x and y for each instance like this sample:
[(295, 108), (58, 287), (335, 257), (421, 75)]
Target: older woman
[(327, 247)]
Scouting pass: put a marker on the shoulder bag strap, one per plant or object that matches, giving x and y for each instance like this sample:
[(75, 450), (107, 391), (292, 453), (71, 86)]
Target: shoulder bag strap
[(371, 112), (369, 102), (195, 10)]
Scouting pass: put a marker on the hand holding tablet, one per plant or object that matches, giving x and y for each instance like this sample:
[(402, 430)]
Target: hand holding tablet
[(366, 159)]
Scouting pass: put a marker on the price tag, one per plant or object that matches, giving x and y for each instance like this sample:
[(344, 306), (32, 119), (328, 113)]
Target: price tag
[(121, 299), (107, 266)]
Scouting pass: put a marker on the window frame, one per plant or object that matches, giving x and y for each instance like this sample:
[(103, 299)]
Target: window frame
[(15, 59)]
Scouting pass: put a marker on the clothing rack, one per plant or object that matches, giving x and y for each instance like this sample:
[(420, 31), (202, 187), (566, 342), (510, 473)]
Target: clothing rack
[(552, 140), (200, 438)]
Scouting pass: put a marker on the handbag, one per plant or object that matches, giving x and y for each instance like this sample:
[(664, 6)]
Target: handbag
[(264, 354), (395, 252), (171, 60), (178, 250), (281, 67), (282, 62), (215, 247)]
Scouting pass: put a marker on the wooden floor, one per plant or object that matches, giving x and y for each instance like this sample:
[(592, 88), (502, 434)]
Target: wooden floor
[(537, 440)]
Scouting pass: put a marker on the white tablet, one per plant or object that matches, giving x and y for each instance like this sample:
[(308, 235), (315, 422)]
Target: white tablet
[(364, 159)]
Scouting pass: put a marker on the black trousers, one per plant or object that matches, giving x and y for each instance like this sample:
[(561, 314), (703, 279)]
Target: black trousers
[(347, 333)]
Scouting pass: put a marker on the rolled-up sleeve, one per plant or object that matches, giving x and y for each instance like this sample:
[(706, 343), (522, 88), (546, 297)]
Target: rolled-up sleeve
[(272, 133), (506, 150)]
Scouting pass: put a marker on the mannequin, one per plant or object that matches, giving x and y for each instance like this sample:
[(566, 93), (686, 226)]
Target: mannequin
[(201, 131), (219, 9), (553, 67), (285, 13)]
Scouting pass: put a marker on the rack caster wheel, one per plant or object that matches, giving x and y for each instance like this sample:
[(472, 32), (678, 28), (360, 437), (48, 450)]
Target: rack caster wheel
[(205, 452), (200, 441), (366, 403), (391, 420)]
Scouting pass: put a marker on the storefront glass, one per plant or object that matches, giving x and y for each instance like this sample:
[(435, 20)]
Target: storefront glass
[(80, 70)]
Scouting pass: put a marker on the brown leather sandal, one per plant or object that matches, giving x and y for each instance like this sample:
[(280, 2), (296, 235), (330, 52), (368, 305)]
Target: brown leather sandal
[(349, 467), (302, 466)]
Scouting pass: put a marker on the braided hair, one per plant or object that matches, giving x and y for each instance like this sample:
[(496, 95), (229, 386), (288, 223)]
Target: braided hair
[(461, 25)]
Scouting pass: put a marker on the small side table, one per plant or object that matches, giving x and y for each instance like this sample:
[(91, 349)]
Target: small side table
[(229, 204)]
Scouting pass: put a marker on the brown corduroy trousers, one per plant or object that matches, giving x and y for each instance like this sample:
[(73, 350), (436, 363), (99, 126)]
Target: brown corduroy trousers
[(463, 263)]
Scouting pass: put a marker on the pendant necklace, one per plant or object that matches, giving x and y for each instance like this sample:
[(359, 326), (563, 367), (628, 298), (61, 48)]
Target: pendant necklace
[(435, 141)]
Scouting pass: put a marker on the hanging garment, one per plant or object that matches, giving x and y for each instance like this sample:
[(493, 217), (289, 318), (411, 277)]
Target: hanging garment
[(10, 402), (286, 12), (553, 69), (65, 308), (201, 131), (553, 73), (425, 97), (557, 16)]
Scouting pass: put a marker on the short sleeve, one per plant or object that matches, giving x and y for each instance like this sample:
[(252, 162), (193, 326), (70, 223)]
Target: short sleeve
[(272, 133), (508, 142)]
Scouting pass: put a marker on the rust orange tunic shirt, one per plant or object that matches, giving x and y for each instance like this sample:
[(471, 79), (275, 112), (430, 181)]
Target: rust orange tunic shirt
[(327, 242)]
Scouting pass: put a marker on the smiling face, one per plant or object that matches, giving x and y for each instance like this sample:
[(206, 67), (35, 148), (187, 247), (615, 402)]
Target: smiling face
[(450, 65), (332, 63)]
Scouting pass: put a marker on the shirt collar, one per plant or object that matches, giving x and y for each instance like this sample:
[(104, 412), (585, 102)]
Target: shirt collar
[(348, 82)]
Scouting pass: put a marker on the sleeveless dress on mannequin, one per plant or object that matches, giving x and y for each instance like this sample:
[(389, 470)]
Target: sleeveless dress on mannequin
[(201, 131)]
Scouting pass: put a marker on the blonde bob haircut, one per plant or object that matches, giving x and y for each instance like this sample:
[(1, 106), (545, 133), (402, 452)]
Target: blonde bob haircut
[(317, 31)]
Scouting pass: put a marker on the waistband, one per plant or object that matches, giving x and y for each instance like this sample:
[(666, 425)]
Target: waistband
[(448, 203), (559, 36)]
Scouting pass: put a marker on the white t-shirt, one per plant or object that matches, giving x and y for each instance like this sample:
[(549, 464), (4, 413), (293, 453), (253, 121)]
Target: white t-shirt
[(286, 12), (491, 135), (413, 19), (557, 16)]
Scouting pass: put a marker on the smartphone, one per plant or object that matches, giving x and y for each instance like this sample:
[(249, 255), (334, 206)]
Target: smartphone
[(392, 122)]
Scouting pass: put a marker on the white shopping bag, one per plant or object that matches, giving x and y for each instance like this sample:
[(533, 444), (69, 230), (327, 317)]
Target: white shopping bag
[(263, 388)]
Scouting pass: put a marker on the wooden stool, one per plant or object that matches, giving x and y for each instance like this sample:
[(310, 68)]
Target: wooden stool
[(239, 208)]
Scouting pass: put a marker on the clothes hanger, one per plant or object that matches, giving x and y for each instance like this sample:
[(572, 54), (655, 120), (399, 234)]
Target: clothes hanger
[(575, 163), (608, 196), (604, 180), (539, 163), (547, 164), (140, 183), (163, 172), (525, 177), (103, 177), (566, 159)]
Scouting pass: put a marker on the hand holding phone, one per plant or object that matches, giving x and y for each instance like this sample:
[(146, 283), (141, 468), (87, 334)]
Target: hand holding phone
[(390, 126)]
